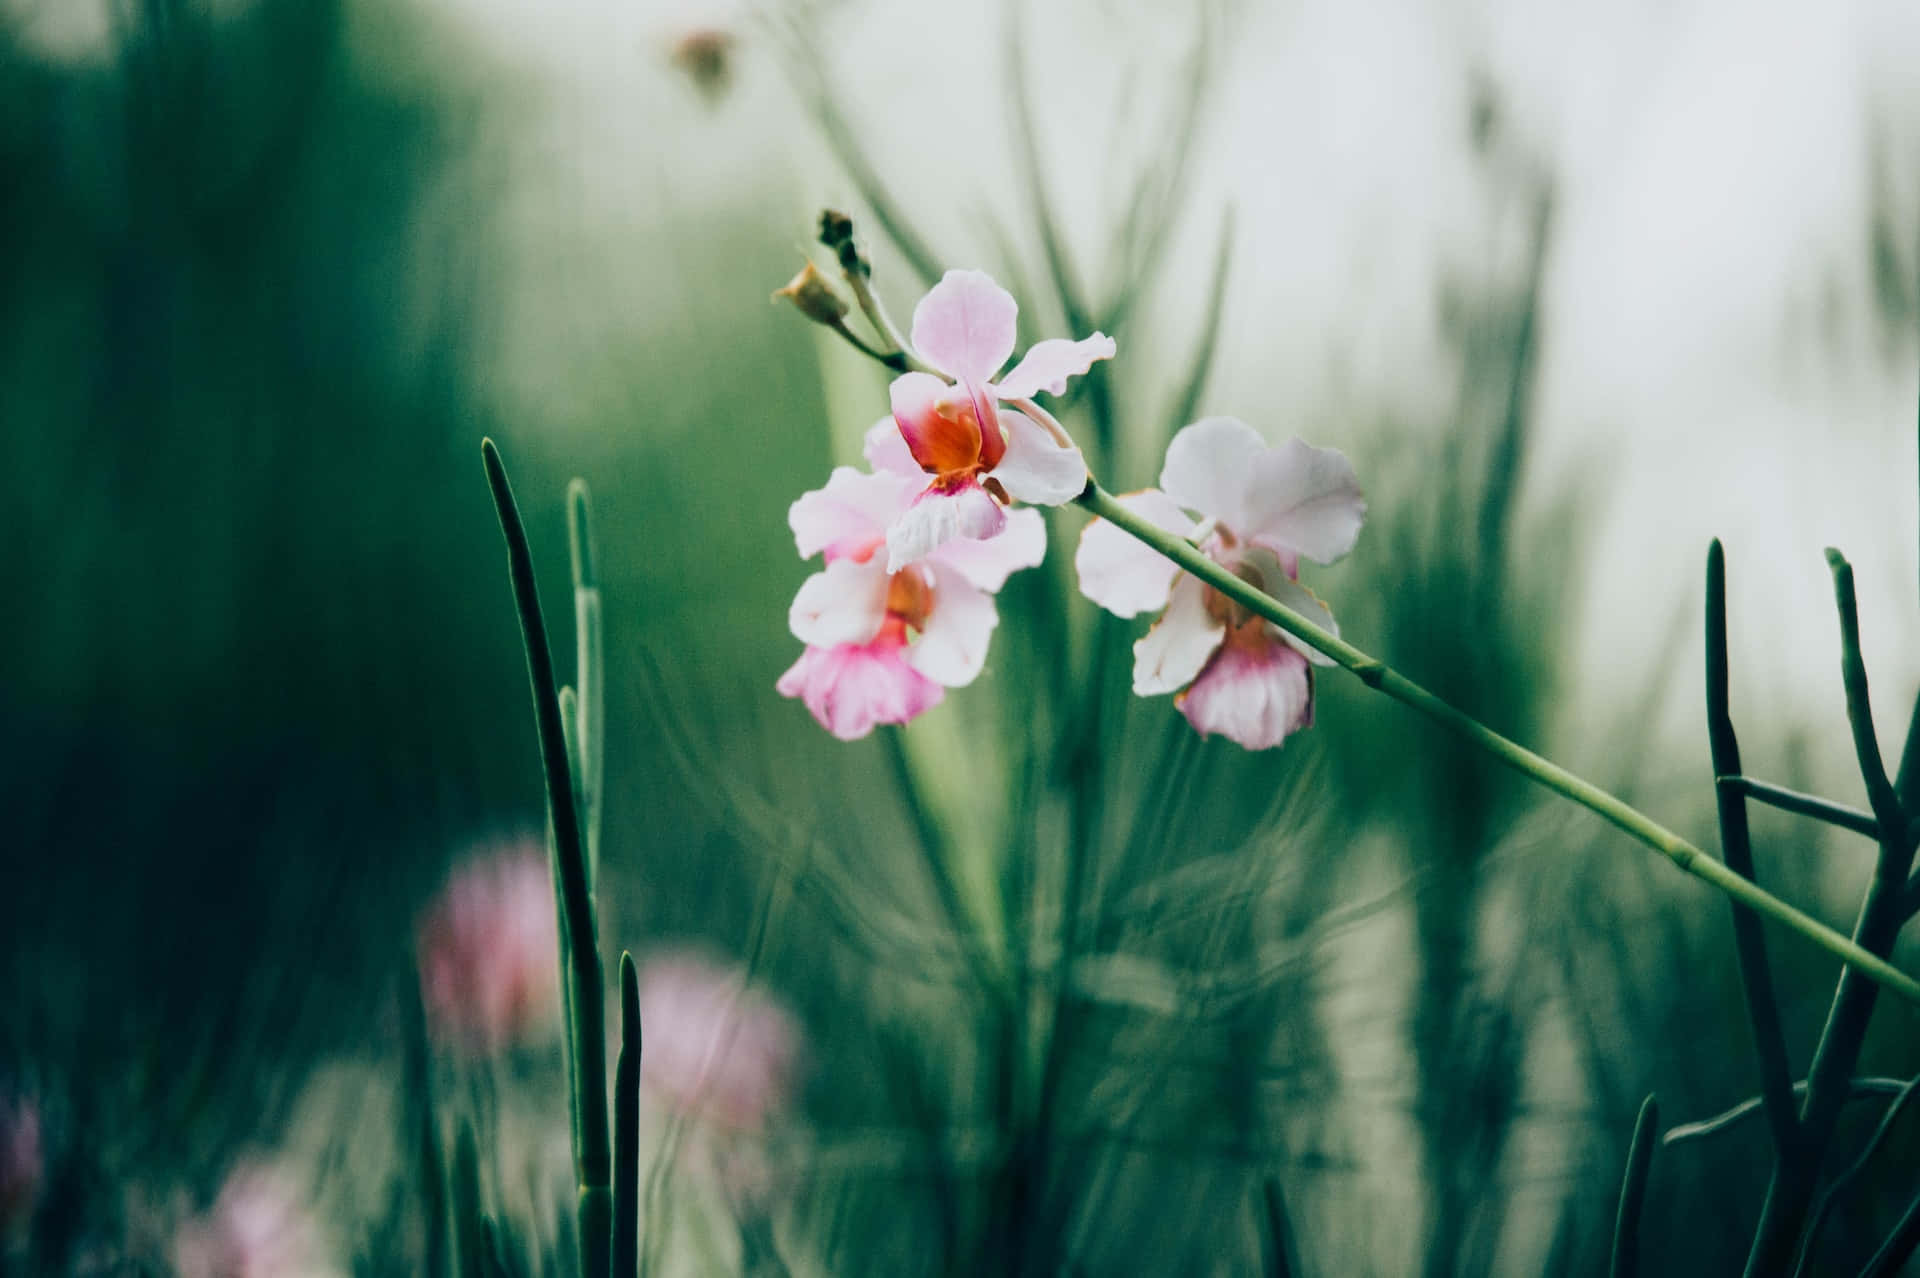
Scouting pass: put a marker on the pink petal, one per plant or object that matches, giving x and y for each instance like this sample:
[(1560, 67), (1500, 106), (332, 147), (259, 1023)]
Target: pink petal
[(1171, 654), (852, 687), (952, 647), (849, 516), (965, 325), (940, 515), (1253, 694), (1047, 365), (1304, 499), (1208, 465), (843, 604), (1121, 574), (987, 564), (885, 449), (1035, 468)]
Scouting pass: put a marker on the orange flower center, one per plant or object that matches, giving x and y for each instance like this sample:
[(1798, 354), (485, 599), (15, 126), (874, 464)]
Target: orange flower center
[(910, 597)]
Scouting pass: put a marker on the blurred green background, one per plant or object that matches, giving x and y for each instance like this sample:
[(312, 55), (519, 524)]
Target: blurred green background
[(268, 272)]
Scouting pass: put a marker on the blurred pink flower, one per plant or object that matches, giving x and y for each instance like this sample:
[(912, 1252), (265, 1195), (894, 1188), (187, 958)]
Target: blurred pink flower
[(979, 455), (1261, 509), (489, 952), (22, 1162), (882, 646), (256, 1228), (715, 1047)]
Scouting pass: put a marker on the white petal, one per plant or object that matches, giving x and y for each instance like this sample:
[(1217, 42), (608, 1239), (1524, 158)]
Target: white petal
[(1208, 465), (1308, 605), (1121, 574), (850, 514), (1255, 697), (1169, 656), (953, 644), (938, 516), (885, 449), (843, 604), (1305, 499), (1048, 365), (1036, 469), (988, 564)]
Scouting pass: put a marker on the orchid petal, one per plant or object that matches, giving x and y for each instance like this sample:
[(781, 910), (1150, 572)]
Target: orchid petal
[(987, 564), (1308, 605), (1036, 469), (850, 515), (844, 603), (1304, 499), (938, 516), (1047, 365), (965, 326), (1121, 573), (1168, 656), (952, 647), (852, 687), (1253, 694), (937, 422), (1207, 467), (886, 449)]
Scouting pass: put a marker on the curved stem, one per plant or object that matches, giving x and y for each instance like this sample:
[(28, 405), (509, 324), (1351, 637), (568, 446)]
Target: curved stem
[(1633, 1191), (1806, 805), (1380, 677)]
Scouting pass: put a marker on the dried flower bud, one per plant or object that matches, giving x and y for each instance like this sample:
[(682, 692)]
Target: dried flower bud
[(814, 295), (836, 233)]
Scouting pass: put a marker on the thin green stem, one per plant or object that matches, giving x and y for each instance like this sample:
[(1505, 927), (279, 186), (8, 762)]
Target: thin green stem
[(1380, 677), (1858, 1089), (589, 670), (1806, 805), (626, 1128), (1839, 1183), (586, 1038), (1853, 674), (1633, 1190), (1736, 846)]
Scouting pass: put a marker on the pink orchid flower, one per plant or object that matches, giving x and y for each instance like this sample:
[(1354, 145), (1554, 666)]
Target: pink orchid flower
[(1260, 510), (488, 952), (980, 455), (717, 1047), (884, 644)]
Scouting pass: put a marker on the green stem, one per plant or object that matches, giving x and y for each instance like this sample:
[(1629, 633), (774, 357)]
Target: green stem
[(1633, 1191), (586, 1028), (589, 671), (1806, 805), (626, 1132), (1736, 849), (1380, 677)]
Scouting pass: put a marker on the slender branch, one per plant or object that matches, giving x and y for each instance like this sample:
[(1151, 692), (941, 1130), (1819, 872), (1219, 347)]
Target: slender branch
[(1380, 677), (1858, 1089), (1282, 1257), (1806, 805), (587, 1020), (1756, 976), (1633, 1190), (1853, 673), (1845, 1178)]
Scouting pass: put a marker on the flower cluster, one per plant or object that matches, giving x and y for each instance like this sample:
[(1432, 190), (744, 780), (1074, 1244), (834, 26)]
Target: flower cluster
[(886, 637), (963, 444)]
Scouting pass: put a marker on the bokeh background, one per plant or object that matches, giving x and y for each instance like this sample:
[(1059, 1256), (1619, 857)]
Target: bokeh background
[(1577, 287)]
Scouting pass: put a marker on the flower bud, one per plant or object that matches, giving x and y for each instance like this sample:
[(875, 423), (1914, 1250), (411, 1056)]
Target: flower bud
[(815, 297)]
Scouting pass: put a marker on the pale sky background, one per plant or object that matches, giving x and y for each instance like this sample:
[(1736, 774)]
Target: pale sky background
[(1713, 164)]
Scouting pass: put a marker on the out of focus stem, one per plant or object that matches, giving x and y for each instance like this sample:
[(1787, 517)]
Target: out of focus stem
[(1382, 678)]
